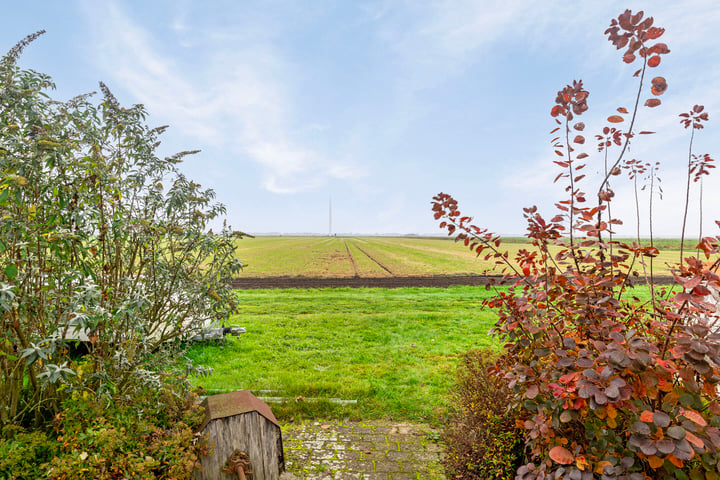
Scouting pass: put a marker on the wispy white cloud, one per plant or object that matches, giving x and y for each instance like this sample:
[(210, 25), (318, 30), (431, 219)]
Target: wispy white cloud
[(233, 98)]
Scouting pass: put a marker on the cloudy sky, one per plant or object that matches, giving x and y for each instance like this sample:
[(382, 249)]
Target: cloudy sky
[(380, 105)]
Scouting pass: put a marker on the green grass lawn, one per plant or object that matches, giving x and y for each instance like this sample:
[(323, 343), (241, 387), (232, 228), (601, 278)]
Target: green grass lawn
[(394, 351)]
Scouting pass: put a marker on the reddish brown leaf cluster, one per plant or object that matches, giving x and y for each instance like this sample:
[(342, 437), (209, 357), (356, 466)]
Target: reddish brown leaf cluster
[(606, 385), (633, 32), (571, 99), (694, 117)]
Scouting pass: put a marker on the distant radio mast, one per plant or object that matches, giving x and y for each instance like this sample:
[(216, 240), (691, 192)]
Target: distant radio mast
[(330, 217)]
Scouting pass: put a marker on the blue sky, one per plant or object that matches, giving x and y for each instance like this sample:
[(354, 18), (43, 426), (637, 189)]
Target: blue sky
[(381, 104)]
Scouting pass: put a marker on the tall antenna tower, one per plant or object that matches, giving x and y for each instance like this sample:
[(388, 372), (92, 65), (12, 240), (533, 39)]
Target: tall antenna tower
[(330, 217)]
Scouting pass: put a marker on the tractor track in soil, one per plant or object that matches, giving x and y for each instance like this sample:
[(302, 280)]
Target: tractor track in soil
[(352, 259), (439, 281), (374, 260)]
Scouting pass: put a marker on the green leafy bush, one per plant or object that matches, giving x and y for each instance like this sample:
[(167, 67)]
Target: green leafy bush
[(104, 242), (607, 386), (151, 436), (482, 439), (101, 240)]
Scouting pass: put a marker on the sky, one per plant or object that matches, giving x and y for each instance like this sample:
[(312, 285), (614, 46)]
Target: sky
[(362, 111)]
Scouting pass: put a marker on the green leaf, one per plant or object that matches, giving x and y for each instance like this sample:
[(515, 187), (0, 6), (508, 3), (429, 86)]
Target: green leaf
[(11, 271)]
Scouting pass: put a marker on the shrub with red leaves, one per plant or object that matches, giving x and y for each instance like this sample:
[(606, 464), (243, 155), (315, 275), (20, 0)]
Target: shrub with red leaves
[(606, 385)]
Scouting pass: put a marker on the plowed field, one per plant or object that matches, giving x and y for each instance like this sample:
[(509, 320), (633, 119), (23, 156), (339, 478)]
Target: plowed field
[(386, 262)]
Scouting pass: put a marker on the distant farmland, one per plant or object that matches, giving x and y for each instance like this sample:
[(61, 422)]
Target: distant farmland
[(379, 257)]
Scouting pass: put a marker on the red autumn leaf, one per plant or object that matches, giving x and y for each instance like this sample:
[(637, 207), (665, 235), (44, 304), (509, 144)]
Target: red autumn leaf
[(580, 126), (579, 139), (637, 73), (622, 110), (690, 437), (652, 102), (559, 153), (557, 110), (693, 416), (645, 132), (654, 32), (615, 119), (582, 155), (659, 48), (561, 455), (654, 61), (659, 85), (646, 416), (675, 461), (629, 57)]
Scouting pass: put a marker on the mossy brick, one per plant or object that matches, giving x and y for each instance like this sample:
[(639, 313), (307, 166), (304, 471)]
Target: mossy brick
[(406, 456), (385, 446), (404, 438), (415, 467), (376, 476), (386, 466), (349, 454), (346, 475), (404, 476)]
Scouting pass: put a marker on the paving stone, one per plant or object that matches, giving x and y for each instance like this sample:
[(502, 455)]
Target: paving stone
[(411, 447), (384, 446), (345, 475), (313, 444), (407, 456), (375, 476), (339, 451), (403, 476), (414, 467), (360, 429), (401, 437), (386, 466), (349, 454), (321, 455), (426, 456)]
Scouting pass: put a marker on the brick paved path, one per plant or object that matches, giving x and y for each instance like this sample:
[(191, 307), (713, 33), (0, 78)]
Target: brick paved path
[(361, 451)]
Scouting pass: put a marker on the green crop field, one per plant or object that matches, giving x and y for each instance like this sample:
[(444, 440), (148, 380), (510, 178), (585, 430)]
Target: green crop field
[(385, 256)]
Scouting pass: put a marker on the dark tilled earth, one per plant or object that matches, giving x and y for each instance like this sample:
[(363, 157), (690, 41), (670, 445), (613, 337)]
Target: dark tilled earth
[(378, 282)]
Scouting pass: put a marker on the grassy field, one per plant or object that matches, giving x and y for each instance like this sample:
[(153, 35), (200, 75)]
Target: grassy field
[(392, 351), (383, 256)]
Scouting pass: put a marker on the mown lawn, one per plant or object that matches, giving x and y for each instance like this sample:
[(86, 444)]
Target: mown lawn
[(394, 351)]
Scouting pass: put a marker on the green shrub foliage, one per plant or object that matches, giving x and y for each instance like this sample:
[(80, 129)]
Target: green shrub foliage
[(150, 437), (608, 385), (101, 240), (482, 438)]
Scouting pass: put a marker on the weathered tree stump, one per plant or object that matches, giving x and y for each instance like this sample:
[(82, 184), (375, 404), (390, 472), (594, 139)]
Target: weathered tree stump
[(242, 430)]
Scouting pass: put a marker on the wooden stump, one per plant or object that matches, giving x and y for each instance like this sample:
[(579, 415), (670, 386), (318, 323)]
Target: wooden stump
[(239, 421)]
